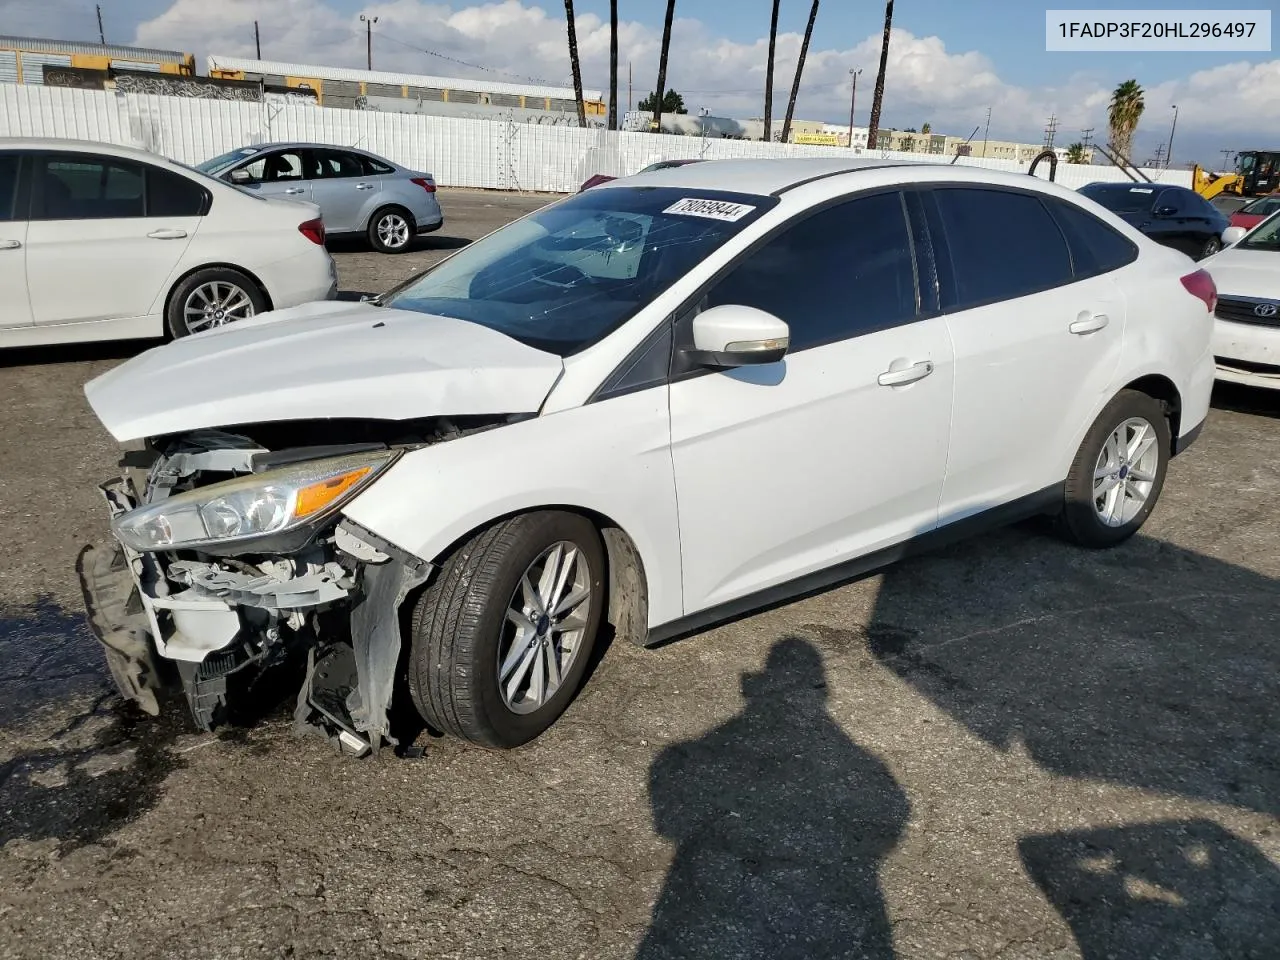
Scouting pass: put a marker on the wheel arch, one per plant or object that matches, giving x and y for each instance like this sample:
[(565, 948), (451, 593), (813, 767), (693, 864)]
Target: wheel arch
[(381, 205), (192, 271), (1162, 389)]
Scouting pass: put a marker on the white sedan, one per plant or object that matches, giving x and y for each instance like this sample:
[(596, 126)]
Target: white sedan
[(657, 404), (1246, 339), (99, 242)]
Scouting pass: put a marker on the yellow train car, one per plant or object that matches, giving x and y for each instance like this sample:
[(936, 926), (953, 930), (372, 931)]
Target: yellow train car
[(23, 59), (346, 88)]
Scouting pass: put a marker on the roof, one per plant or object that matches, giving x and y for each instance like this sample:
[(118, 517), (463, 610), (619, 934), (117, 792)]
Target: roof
[(40, 45), (277, 68), (75, 146)]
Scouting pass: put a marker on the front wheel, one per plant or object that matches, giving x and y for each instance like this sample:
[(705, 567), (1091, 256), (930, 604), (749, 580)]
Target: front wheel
[(1118, 472), (1211, 246), (502, 637)]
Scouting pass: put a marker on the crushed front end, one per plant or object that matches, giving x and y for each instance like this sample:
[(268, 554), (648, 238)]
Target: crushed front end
[(231, 558)]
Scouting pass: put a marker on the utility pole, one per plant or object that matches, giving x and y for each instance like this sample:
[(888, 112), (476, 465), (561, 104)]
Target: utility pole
[(986, 133), (1169, 159), (102, 37), (257, 40), (1051, 128), (369, 22), (1159, 155), (1226, 158), (628, 86), (853, 99)]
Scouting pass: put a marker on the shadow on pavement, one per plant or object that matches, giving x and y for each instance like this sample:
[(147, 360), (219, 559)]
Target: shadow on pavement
[(1180, 890), (75, 352), (426, 241), (780, 823), (1241, 399)]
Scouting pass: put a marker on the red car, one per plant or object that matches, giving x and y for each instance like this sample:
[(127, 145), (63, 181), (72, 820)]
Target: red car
[(660, 165), (1255, 211)]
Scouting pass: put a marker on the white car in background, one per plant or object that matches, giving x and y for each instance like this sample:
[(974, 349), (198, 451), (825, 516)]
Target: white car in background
[(1246, 338), (646, 408), (99, 242)]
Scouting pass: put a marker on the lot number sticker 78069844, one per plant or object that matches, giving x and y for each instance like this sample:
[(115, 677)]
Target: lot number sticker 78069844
[(711, 209)]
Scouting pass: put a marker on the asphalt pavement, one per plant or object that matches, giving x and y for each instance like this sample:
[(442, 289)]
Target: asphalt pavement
[(1010, 749)]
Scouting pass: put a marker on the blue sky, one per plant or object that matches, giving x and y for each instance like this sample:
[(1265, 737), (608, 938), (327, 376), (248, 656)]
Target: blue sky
[(948, 63)]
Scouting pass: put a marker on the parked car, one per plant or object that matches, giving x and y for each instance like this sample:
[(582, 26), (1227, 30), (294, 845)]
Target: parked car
[(501, 441), (1174, 216), (1246, 337), (358, 193), (600, 178), (1255, 211), (99, 242)]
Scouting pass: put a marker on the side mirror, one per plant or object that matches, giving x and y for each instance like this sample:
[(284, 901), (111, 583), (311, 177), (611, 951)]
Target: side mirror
[(239, 176), (732, 335), (1233, 235)]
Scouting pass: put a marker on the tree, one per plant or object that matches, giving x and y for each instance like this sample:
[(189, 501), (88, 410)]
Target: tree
[(613, 64), (795, 84), (909, 130), (909, 144), (1126, 109), (878, 97), (768, 80), (671, 103), (574, 63), (926, 129), (1076, 153), (662, 65)]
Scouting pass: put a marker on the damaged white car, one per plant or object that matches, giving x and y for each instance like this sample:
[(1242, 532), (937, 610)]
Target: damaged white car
[(645, 408)]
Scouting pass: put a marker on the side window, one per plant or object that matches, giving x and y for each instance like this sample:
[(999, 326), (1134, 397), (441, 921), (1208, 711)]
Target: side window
[(170, 194), (275, 167), (1002, 244), (84, 186), (1095, 247), (335, 163), (1175, 200), (846, 271), (373, 168), (9, 187)]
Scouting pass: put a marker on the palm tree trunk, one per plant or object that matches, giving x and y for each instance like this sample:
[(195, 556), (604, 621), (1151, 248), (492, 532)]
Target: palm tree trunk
[(574, 63), (613, 64), (795, 85), (768, 78), (662, 65), (878, 97)]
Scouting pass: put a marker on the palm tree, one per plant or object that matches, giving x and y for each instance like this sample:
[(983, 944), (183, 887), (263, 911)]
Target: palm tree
[(878, 97), (662, 65), (795, 84), (768, 78), (574, 63), (613, 64), (1122, 119), (1076, 153)]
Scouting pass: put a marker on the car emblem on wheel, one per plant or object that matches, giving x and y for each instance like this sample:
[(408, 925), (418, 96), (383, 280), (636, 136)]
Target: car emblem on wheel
[(1265, 310)]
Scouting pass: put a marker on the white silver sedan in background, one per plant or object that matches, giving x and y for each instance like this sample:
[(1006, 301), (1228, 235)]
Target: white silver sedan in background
[(100, 242)]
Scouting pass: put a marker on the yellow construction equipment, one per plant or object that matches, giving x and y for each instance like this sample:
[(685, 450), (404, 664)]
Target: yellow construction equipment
[(1257, 173), (1209, 185)]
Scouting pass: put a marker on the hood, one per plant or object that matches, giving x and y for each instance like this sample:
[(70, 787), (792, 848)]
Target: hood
[(322, 360), (1245, 273)]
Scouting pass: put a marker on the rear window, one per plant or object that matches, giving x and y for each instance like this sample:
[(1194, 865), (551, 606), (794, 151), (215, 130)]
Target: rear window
[(1095, 247), (1121, 199)]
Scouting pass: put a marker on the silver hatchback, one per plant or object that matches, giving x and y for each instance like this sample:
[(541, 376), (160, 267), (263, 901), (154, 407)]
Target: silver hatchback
[(358, 192)]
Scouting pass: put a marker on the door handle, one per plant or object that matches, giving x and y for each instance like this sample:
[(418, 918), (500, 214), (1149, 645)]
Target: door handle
[(167, 234), (364, 186), (10, 244), (897, 378), (1088, 323), (293, 190)]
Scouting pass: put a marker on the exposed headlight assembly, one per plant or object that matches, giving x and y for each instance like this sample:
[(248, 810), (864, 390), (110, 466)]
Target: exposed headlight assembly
[(257, 505)]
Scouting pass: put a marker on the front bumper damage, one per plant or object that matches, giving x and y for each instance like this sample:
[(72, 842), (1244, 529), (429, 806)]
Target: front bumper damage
[(201, 625)]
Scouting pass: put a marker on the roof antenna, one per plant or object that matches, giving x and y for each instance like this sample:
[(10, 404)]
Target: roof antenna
[(966, 143)]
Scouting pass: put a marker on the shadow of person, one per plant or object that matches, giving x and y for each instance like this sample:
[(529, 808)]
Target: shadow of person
[(780, 822), (1178, 890)]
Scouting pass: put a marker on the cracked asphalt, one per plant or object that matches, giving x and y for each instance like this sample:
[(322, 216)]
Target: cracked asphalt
[(1011, 748)]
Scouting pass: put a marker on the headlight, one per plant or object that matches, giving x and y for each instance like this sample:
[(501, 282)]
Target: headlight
[(255, 505)]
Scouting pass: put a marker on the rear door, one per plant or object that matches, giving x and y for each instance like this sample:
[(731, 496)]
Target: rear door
[(105, 235), (343, 189), (15, 306), (1037, 339)]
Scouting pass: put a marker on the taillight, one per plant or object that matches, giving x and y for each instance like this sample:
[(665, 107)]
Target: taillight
[(424, 183), (313, 230), (1200, 284)]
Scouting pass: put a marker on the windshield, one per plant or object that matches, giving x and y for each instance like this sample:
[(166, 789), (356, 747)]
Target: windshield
[(1121, 199), (224, 160), (1265, 236), (569, 274), (1263, 207)]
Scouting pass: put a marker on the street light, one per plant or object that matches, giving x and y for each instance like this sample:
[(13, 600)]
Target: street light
[(853, 99), (1169, 159), (368, 22)]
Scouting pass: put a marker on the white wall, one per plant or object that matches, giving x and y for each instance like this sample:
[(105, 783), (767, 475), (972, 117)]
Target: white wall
[(459, 152)]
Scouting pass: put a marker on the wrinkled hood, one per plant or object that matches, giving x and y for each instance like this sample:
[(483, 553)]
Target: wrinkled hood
[(322, 360), (1245, 273)]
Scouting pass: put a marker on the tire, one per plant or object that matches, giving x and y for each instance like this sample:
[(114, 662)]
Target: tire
[(1211, 246), (1082, 519), (238, 296), (460, 628), (391, 230)]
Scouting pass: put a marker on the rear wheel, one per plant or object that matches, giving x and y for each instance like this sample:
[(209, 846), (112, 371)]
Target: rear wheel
[(212, 298), (390, 230), (502, 637), (1118, 472)]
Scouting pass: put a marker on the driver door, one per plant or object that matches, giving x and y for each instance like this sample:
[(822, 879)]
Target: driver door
[(280, 173)]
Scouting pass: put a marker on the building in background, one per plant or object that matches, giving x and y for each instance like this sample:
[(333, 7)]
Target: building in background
[(27, 59)]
